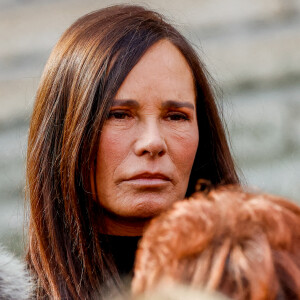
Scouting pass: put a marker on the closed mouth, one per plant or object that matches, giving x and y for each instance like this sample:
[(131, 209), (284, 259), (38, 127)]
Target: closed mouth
[(150, 176)]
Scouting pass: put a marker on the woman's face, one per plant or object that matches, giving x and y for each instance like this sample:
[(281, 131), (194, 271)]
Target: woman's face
[(148, 144)]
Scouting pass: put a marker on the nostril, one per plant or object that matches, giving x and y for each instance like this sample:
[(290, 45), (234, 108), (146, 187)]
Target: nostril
[(158, 153), (161, 153), (154, 153)]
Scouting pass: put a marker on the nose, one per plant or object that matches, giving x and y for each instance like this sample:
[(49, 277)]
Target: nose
[(150, 141)]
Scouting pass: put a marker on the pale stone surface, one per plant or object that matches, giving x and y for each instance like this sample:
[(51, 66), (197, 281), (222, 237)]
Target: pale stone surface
[(264, 127), (255, 57), (264, 124)]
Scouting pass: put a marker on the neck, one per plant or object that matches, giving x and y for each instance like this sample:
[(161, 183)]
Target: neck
[(123, 226)]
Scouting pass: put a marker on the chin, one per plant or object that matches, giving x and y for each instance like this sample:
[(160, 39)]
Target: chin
[(150, 209)]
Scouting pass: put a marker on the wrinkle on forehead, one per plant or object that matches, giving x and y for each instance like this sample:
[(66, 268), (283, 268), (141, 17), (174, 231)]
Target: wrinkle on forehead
[(162, 62)]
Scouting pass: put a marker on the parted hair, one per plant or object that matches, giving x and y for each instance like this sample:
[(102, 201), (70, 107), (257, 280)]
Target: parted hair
[(84, 72), (243, 244)]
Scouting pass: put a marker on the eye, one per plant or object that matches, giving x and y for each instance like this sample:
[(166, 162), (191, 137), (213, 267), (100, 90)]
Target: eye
[(119, 115), (177, 116)]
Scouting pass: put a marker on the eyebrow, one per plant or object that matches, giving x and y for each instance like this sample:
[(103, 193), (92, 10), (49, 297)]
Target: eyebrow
[(166, 104), (177, 104), (129, 102)]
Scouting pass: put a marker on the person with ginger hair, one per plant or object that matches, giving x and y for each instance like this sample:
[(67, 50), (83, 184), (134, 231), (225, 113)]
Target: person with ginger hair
[(243, 244)]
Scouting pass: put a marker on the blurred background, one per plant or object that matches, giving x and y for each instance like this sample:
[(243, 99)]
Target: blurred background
[(251, 48)]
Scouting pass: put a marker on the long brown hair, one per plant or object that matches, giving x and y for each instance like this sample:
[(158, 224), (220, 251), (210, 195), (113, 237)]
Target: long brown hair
[(243, 244), (84, 72)]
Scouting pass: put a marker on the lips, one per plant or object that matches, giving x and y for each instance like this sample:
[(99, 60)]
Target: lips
[(149, 176), (149, 180)]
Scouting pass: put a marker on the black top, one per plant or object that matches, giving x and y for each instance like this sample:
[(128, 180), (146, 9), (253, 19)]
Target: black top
[(122, 250)]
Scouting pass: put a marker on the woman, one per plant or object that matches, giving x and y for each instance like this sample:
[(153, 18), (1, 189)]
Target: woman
[(124, 124)]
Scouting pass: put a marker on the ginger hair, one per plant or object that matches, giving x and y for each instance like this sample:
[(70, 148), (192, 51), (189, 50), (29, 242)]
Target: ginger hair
[(243, 244)]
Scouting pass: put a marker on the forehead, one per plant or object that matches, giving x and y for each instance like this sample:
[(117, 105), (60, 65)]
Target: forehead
[(162, 72)]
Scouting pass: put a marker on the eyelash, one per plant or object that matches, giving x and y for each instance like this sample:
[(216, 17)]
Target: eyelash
[(172, 116), (119, 115), (177, 117)]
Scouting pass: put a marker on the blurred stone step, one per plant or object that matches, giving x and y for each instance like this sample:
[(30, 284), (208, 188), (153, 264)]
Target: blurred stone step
[(12, 180), (254, 58), (12, 161), (280, 177), (16, 99), (39, 23), (217, 14), (264, 125), (11, 216)]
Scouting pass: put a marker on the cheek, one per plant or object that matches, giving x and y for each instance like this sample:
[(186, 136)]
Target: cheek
[(184, 150), (114, 145), (113, 149)]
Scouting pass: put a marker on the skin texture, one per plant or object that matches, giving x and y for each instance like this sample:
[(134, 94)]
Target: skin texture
[(149, 142)]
